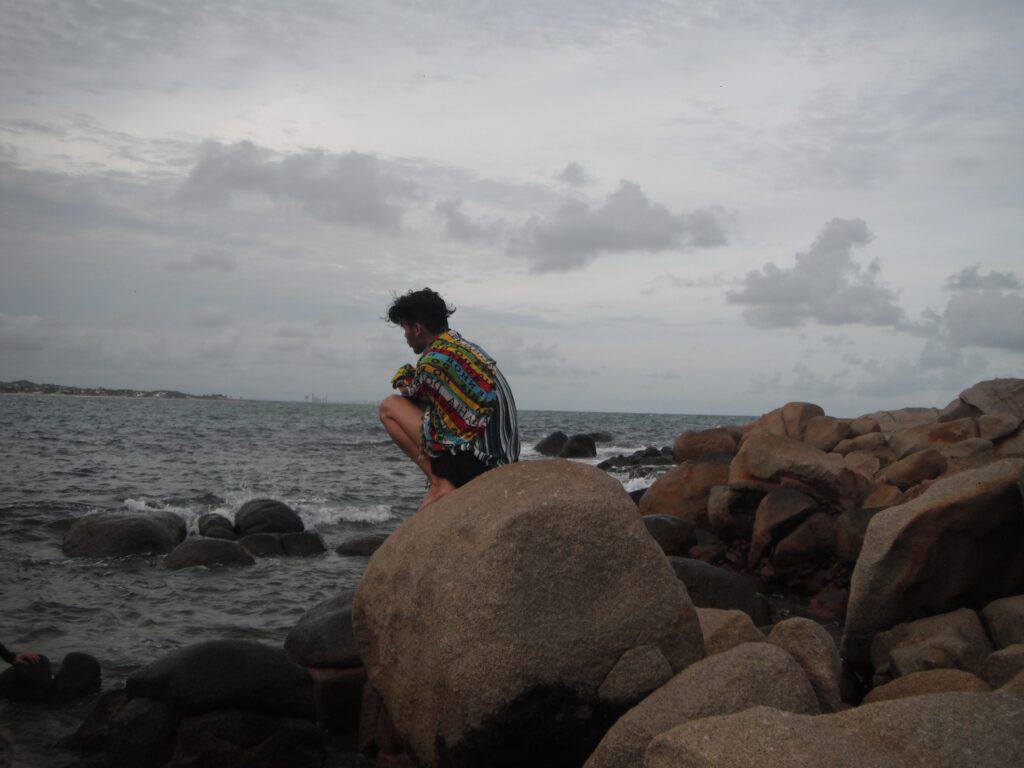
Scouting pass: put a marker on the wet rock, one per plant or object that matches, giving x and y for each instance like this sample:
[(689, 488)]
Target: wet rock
[(103, 534), (724, 630), (1005, 620), (945, 730), (363, 545), (1003, 665), (339, 696), (79, 674), (489, 620), (970, 524), (226, 674), (928, 681), (552, 444), (262, 544), (778, 514), (767, 461), (816, 653), (600, 437), (215, 526), (683, 491), (303, 544), (746, 676), (923, 465), (199, 550), (713, 587), (141, 734), (266, 516), (578, 447), (93, 734), (674, 535), (323, 637), (27, 682), (235, 738), (708, 442)]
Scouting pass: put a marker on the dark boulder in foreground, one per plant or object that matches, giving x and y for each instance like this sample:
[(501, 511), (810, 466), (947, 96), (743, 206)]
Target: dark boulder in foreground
[(361, 546), (552, 444), (944, 730), (323, 637), (267, 516), (105, 534), (78, 674), (227, 674), (199, 550), (489, 621), (578, 447)]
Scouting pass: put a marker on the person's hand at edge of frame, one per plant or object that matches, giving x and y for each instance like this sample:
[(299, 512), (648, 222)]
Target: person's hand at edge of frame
[(26, 658)]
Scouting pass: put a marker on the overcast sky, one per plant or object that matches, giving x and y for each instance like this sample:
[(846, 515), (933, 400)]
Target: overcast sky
[(696, 207)]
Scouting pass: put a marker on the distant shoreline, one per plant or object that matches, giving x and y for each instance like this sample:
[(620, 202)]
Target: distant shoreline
[(31, 388)]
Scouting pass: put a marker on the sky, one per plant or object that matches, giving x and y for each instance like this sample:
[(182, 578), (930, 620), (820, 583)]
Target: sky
[(693, 207)]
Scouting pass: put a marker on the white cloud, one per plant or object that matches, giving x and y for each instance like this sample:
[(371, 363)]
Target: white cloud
[(971, 279), (575, 175)]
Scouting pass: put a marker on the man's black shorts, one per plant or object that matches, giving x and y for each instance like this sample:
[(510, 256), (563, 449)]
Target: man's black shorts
[(459, 468)]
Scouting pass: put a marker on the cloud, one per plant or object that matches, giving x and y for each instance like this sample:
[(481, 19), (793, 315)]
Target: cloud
[(900, 377), (350, 188), (458, 225), (574, 174), (986, 319), (825, 285), (971, 279), (209, 260), (627, 221)]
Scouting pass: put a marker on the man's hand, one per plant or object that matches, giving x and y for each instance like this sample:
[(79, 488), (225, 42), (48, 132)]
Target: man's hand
[(26, 658)]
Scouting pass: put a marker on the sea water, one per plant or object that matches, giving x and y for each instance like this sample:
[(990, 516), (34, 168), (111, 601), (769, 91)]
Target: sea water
[(64, 457)]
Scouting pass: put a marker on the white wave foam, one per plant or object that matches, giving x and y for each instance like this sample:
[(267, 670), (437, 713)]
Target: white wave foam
[(143, 506), (314, 515), (637, 483)]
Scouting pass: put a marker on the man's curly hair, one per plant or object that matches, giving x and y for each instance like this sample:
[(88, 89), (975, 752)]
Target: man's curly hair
[(425, 307)]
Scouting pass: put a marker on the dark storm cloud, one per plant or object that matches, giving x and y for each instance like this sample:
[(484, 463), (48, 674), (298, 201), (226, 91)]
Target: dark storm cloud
[(971, 279), (825, 285), (350, 188), (627, 221)]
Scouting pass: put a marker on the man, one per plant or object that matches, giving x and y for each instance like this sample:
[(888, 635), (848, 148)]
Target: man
[(455, 416)]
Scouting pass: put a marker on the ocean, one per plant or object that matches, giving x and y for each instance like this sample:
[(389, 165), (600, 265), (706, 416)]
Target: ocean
[(63, 457)]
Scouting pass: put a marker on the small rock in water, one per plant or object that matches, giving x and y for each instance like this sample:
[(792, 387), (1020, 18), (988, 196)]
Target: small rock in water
[(262, 544), (267, 516), (199, 550), (578, 447), (361, 546), (552, 444)]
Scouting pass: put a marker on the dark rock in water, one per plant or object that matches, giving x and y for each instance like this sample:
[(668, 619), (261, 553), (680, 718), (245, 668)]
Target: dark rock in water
[(552, 444), (267, 516), (262, 544), (600, 437), (94, 732), (235, 738), (141, 735), (302, 544), (361, 546), (674, 535), (104, 534), (578, 447), (27, 682), (199, 550), (636, 495), (712, 587), (226, 674), (339, 698), (79, 674), (323, 637), (215, 526)]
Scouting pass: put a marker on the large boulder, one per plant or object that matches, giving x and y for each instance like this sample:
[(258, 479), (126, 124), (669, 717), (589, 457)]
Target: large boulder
[(945, 730), (954, 640), (768, 461), (266, 516), (216, 526), (938, 435), (78, 674), (925, 682), (694, 445), (579, 447), (226, 674), (236, 738), (816, 652), (361, 545), (323, 636), (1003, 665), (749, 675), (731, 511), (997, 396), (996, 426), (778, 515), (104, 534), (889, 421), (923, 465), (200, 550), (724, 630), (824, 432), (683, 491), (490, 619), (1005, 620), (961, 542), (711, 587), (673, 534)]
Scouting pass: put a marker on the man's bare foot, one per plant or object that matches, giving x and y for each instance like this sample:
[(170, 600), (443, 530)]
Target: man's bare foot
[(440, 487)]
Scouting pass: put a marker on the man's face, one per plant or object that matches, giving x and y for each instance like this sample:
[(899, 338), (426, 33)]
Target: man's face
[(415, 336)]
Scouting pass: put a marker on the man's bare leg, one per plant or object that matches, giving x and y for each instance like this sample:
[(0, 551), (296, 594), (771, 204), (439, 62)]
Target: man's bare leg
[(403, 420)]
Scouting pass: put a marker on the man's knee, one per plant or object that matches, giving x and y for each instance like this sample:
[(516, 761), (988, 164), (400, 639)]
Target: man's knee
[(387, 406)]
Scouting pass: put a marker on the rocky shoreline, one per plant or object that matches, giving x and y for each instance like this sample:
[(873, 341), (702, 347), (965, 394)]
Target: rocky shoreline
[(541, 616)]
